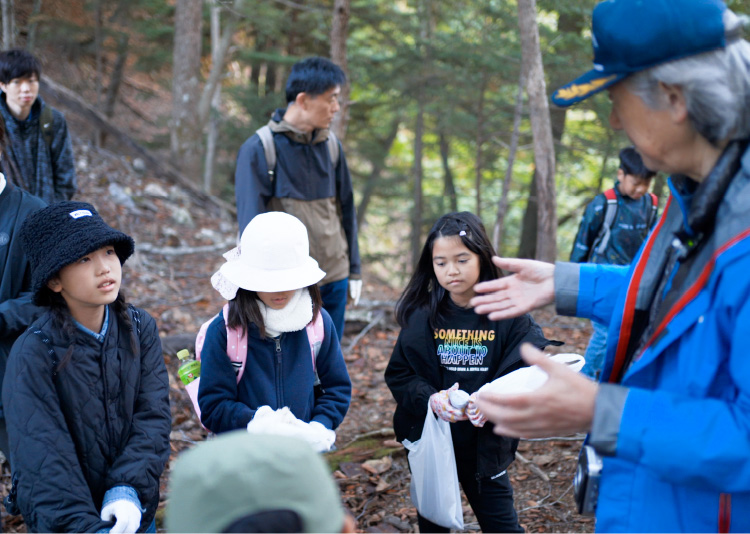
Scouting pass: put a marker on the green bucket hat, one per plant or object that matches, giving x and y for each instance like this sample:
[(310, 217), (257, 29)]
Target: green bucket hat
[(237, 474)]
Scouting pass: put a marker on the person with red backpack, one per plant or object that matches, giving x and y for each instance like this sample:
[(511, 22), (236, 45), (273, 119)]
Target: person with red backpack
[(613, 227), (271, 285)]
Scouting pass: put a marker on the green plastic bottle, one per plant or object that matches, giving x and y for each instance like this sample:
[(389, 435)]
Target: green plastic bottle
[(190, 368)]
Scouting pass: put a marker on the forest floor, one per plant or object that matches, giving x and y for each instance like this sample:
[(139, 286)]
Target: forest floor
[(179, 245)]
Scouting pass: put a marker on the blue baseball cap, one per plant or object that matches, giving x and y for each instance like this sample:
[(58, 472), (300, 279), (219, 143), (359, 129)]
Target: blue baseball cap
[(632, 35)]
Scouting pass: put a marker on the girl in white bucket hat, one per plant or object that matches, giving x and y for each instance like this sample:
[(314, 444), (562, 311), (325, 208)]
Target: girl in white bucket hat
[(275, 316)]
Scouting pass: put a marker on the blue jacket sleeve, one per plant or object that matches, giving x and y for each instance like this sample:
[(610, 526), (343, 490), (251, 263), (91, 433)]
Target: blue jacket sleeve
[(252, 185), (713, 431), (592, 221), (331, 407), (63, 163), (597, 293), (348, 212), (217, 392)]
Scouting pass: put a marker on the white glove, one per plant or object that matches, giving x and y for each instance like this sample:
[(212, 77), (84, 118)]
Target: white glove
[(355, 290), (126, 515), (322, 438)]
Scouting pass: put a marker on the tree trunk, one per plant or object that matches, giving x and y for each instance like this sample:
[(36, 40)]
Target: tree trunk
[(185, 134), (218, 57), (32, 25), (498, 234), (449, 187), (213, 120), (115, 80), (416, 232), (339, 33), (377, 168), (528, 244), (8, 30), (479, 140), (541, 128)]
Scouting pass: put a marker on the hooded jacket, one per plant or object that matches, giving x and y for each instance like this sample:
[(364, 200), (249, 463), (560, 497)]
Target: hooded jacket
[(415, 372), (48, 173), (674, 415), (307, 186), (278, 373), (16, 310), (101, 420)]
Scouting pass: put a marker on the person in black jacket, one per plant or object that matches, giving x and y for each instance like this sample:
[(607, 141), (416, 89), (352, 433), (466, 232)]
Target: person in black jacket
[(39, 143), (443, 344), (16, 309), (86, 389)]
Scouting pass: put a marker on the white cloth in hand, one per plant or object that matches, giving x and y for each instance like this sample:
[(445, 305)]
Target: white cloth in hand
[(323, 437), (282, 422), (126, 515), (355, 290)]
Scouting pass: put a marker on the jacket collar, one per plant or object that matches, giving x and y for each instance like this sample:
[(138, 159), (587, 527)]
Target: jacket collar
[(277, 124)]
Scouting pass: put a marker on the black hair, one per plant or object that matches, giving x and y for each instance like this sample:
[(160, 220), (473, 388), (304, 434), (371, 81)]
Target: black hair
[(314, 76), (632, 164), (66, 324), (18, 63), (268, 521), (423, 289), (244, 309)]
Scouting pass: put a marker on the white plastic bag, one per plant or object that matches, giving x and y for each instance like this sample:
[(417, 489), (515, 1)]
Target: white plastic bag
[(434, 480)]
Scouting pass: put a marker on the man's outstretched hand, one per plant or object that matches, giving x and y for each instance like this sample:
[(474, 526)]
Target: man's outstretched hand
[(530, 286), (563, 405)]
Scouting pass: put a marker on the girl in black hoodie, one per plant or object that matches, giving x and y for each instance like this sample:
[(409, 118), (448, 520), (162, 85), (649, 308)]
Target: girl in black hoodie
[(444, 345)]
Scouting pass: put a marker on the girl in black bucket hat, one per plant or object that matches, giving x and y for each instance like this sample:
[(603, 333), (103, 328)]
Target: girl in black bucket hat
[(87, 392)]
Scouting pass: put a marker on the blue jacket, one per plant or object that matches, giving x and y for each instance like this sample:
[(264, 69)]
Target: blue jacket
[(278, 373), (48, 173), (680, 459)]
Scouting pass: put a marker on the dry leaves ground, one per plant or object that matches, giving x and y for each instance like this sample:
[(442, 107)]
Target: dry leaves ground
[(369, 466)]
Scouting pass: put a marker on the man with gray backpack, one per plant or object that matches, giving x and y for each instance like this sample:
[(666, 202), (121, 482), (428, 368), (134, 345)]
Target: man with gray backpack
[(295, 164), (613, 227)]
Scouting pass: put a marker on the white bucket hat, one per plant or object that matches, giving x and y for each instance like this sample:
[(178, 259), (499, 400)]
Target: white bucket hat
[(274, 255)]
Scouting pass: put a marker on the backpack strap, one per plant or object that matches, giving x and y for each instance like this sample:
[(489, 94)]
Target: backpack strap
[(45, 120), (602, 239), (315, 336), (236, 345), (269, 149), (333, 148), (654, 209)]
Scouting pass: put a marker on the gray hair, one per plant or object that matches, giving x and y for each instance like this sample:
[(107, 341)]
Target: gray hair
[(716, 86)]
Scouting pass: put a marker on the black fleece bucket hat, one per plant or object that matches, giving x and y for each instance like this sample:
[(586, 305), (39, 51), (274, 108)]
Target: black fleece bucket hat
[(60, 234)]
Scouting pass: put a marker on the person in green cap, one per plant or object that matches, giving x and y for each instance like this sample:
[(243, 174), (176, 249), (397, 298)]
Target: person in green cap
[(242, 482)]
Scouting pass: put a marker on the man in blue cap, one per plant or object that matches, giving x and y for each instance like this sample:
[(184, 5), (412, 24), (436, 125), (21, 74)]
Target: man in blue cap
[(669, 426)]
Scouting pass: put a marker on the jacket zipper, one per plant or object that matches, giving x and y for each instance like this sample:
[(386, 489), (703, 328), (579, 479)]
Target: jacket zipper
[(725, 512), (279, 396)]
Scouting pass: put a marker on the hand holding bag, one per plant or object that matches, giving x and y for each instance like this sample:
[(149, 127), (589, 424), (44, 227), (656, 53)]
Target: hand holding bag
[(434, 480)]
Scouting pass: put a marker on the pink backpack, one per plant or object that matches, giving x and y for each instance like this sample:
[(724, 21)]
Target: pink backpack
[(237, 351)]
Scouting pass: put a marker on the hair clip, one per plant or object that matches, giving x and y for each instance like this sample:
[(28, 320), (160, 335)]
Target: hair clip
[(462, 233)]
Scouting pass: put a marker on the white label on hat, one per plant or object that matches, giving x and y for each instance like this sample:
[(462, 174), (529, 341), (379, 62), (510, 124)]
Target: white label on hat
[(77, 214)]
